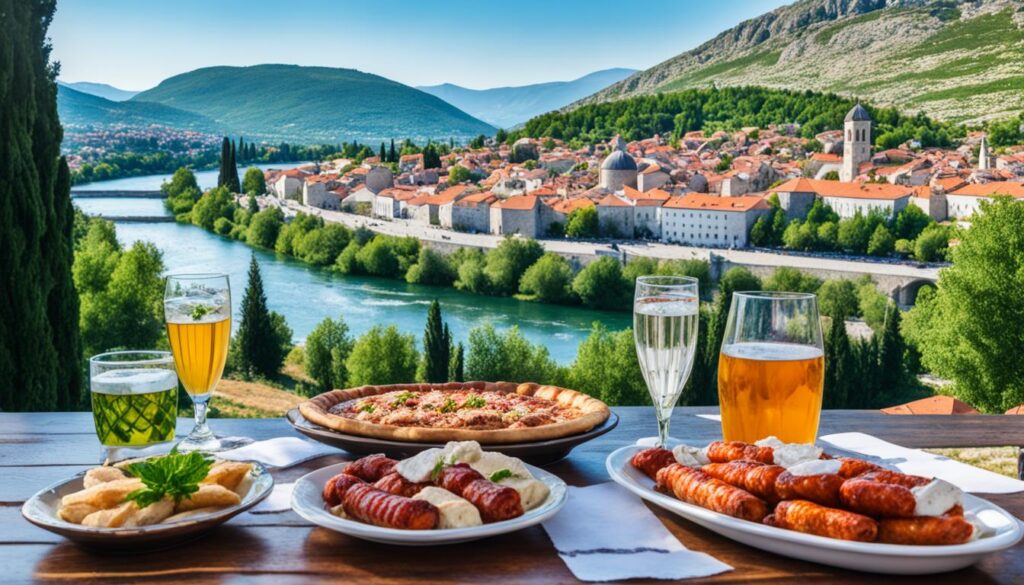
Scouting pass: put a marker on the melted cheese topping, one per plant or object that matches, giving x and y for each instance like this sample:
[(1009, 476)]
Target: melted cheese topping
[(690, 456), (455, 512), (936, 498)]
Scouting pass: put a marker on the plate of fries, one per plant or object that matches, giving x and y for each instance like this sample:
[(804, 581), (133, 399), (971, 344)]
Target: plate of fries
[(149, 503)]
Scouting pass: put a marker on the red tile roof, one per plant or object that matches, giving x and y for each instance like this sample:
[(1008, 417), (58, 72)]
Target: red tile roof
[(714, 203), (844, 190), (932, 405), (992, 189), (518, 203)]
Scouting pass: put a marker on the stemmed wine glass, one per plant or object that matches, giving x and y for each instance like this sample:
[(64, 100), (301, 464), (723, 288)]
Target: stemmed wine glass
[(197, 309), (665, 321)]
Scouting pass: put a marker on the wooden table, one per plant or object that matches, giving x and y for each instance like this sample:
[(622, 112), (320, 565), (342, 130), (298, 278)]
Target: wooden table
[(39, 449)]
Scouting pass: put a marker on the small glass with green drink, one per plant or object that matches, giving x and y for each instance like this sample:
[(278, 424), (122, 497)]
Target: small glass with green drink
[(134, 398)]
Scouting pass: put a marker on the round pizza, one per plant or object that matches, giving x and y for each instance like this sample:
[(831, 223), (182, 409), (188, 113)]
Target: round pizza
[(486, 412)]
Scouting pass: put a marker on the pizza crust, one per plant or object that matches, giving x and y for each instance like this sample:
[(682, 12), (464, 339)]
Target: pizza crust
[(594, 412)]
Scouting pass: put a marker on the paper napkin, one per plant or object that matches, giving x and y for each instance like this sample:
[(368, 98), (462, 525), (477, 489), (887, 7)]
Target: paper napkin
[(279, 452), (279, 500), (917, 462), (605, 533)]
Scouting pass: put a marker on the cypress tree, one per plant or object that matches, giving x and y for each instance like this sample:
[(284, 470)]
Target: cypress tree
[(233, 184), (258, 351), (40, 352), (890, 351), (437, 346), (841, 379), (456, 373), (225, 157), (241, 148), (382, 156), (392, 154)]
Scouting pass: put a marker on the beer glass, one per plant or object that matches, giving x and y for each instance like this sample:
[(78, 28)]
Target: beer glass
[(134, 397), (665, 319), (197, 309), (771, 368)]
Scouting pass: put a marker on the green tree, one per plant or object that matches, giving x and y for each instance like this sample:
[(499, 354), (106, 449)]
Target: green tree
[(932, 244), (382, 356), (40, 353), (699, 269), (437, 346), (459, 174), (264, 228), (760, 233), (891, 350), (183, 180), (254, 183), (841, 379), (788, 279), (472, 276), (910, 222), (292, 233), (969, 332), (838, 296), (501, 136), (854, 234), (831, 176), (431, 159), (871, 303), (738, 279), (505, 264), (882, 243), (508, 356), (431, 267), (378, 258), (583, 223), (639, 266), (214, 204), (232, 182), (607, 368), (348, 260), (260, 351), (456, 372), (548, 280), (327, 350), (601, 285), (223, 175), (322, 246)]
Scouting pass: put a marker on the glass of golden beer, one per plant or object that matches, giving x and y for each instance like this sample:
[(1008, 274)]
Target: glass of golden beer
[(772, 368), (197, 309)]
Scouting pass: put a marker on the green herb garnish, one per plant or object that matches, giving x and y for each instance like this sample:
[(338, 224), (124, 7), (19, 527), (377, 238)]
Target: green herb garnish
[(500, 475), (449, 406), (176, 475), (402, 398), (438, 467), (200, 311), (366, 407), (474, 402)]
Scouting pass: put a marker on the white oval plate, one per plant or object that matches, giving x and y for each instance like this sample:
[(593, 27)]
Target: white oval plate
[(41, 510), (308, 503), (894, 559)]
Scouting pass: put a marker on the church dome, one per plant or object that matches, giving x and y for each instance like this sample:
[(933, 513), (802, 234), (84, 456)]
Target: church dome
[(618, 161), (858, 114)]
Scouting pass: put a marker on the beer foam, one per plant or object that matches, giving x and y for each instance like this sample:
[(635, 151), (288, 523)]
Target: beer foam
[(134, 381), (771, 352)]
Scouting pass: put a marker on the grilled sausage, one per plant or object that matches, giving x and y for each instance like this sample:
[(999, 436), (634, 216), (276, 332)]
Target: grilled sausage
[(495, 502), (696, 487), (368, 504), (925, 530), (395, 483), (897, 478), (723, 452), (820, 488), (804, 516), (877, 499), (854, 467), (650, 461), (753, 476), (371, 468)]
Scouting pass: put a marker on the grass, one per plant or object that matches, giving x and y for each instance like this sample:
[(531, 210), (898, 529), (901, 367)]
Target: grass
[(1014, 83), (825, 35), (1001, 460), (983, 32), (762, 59)]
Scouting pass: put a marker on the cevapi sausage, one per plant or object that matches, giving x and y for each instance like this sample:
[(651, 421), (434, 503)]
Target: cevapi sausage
[(368, 504), (897, 478), (804, 516), (696, 487), (371, 468), (851, 467), (650, 461), (820, 488), (925, 530), (395, 483), (495, 502), (753, 476), (877, 499), (724, 452)]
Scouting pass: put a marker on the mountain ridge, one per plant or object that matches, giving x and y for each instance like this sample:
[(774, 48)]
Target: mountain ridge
[(103, 90), (84, 111), (955, 60), (508, 106)]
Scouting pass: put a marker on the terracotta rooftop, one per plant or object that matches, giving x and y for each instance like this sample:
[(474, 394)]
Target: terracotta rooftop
[(991, 189), (715, 203), (518, 203), (932, 405), (825, 188)]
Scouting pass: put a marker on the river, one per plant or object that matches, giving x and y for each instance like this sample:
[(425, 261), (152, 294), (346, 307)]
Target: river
[(206, 179), (305, 295)]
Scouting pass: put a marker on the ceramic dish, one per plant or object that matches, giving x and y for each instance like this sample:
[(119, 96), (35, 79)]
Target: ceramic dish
[(308, 502), (41, 510), (894, 559), (537, 453)]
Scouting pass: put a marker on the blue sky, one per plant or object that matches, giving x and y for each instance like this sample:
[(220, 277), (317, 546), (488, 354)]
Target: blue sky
[(479, 44)]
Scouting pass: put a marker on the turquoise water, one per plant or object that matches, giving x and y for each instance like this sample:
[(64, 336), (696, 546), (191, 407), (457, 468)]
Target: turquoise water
[(305, 295), (206, 179), (121, 206)]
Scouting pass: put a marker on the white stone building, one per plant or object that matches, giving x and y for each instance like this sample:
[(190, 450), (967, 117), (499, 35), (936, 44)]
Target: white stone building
[(857, 142), (706, 220)]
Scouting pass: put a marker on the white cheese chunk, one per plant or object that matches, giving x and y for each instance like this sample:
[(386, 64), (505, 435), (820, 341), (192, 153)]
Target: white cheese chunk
[(489, 462), (816, 467), (690, 456), (532, 492), (771, 441), (418, 468), (936, 498), (462, 452), (455, 512)]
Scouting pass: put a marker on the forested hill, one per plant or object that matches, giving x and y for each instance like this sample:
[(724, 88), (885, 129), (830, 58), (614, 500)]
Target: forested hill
[(83, 111), (506, 107), (955, 60), (313, 104), (731, 108)]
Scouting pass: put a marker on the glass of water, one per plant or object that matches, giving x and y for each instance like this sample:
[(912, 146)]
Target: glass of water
[(134, 398), (665, 318)]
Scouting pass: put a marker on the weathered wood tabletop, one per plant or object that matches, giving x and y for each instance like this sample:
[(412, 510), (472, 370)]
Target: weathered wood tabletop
[(40, 449)]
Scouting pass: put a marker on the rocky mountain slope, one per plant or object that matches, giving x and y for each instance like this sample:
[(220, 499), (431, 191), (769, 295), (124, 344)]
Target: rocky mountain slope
[(953, 59), (506, 107)]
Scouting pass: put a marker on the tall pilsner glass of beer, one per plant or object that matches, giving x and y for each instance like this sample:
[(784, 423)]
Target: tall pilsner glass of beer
[(197, 309), (772, 368)]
